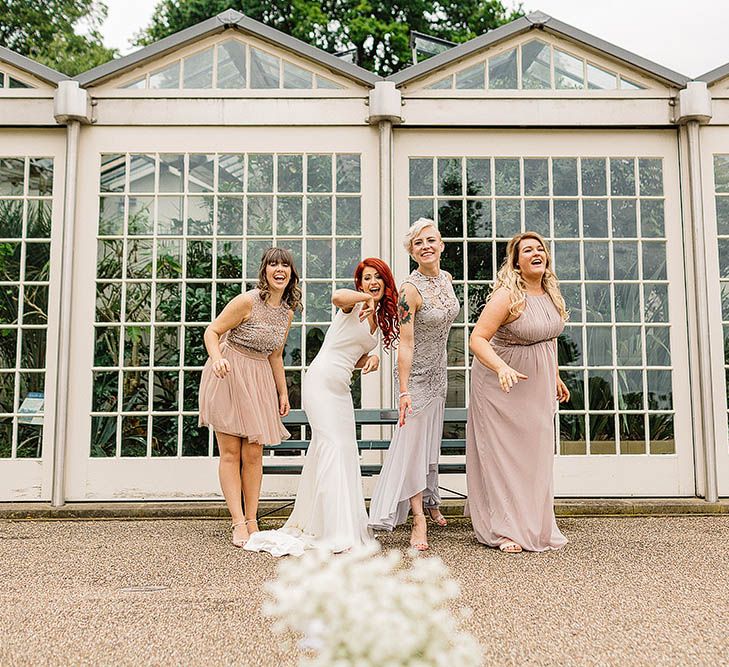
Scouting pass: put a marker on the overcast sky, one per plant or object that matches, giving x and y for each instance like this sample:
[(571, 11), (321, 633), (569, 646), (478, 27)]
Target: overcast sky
[(689, 37)]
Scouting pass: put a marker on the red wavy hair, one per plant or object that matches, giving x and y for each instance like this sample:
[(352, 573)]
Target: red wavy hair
[(386, 313)]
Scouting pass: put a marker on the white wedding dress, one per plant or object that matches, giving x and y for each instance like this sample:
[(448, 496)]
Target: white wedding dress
[(329, 512)]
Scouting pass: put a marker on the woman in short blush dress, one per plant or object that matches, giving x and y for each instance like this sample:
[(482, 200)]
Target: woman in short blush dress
[(515, 386), (330, 512), (427, 308), (243, 392)]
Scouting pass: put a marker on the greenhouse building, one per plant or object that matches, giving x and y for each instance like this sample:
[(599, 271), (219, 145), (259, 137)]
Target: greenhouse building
[(136, 200)]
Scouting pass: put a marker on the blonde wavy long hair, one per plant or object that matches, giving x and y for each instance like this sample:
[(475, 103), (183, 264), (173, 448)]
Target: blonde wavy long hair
[(509, 277)]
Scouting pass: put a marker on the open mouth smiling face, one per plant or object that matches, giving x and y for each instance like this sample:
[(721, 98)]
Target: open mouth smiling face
[(427, 247), (373, 284), (532, 257), (278, 275)]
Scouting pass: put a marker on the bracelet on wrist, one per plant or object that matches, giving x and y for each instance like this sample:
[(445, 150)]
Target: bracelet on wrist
[(404, 393)]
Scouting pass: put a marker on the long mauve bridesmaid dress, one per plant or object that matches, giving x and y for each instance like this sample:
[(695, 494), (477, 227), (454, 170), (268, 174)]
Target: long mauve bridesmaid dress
[(510, 437)]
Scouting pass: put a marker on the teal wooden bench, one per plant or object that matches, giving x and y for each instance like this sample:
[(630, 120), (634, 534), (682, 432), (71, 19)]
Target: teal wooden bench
[(297, 418)]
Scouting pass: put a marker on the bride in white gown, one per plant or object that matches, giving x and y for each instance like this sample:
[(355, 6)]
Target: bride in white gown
[(329, 512)]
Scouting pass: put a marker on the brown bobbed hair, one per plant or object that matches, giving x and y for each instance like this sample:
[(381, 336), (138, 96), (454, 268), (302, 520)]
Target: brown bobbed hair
[(292, 293)]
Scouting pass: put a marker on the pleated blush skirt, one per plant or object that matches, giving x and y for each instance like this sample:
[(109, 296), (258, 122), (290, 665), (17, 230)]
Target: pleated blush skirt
[(244, 403)]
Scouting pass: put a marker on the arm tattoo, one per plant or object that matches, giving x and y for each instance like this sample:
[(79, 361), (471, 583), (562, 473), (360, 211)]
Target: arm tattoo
[(404, 311)]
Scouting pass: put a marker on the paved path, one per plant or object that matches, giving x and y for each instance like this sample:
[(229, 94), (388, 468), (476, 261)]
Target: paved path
[(637, 591)]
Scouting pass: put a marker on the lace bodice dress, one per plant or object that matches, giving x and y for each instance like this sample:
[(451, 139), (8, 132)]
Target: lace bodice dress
[(428, 375)]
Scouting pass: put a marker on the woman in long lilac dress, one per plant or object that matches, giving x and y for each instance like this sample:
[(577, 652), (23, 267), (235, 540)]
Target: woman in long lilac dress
[(515, 386)]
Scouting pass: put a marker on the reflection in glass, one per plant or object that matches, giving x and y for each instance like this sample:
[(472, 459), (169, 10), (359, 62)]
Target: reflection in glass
[(349, 215), (230, 214), (625, 260), (318, 303), (623, 218), (12, 175), (600, 79), (564, 177), (295, 76), (290, 173), (290, 215), (198, 70), (318, 258), (593, 177), (202, 170), (260, 216), (319, 173), (349, 253), (471, 78), (535, 65), (502, 71), (622, 177), (594, 218), (231, 64), (628, 346), (478, 217), (450, 218), (319, 215), (260, 172), (231, 168), (40, 176), (478, 176), (566, 218), (348, 173), (264, 69), (597, 260), (569, 72), (508, 217), (166, 78)]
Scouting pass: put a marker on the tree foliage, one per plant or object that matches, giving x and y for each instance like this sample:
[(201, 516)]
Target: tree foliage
[(378, 29), (47, 31)]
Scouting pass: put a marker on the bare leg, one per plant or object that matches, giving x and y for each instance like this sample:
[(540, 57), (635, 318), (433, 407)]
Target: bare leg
[(252, 458), (230, 447), (419, 534)]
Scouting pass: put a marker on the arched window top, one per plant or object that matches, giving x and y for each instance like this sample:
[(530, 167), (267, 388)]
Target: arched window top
[(535, 65), (231, 65)]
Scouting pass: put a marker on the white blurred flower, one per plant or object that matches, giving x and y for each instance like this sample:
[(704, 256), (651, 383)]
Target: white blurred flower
[(365, 609)]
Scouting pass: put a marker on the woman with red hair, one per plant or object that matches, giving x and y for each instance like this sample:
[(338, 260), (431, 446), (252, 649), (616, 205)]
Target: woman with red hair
[(329, 512)]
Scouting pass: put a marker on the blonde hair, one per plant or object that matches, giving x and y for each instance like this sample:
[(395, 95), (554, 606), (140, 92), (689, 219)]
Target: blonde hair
[(509, 277), (415, 229)]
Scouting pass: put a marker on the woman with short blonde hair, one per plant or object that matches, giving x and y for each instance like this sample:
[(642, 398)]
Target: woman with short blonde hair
[(515, 386), (426, 308)]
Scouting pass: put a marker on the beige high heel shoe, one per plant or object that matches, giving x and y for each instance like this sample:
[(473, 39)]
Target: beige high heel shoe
[(418, 546), (238, 543)]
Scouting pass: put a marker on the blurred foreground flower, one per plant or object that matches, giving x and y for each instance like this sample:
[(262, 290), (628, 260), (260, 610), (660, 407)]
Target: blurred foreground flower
[(367, 609)]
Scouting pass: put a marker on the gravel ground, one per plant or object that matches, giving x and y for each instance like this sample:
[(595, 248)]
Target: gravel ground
[(643, 591)]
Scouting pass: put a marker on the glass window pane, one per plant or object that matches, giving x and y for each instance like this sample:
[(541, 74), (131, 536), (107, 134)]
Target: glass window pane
[(290, 215), (318, 308), (630, 389), (319, 173), (441, 84), (652, 221), (536, 216), (654, 260), (722, 215), (290, 173), (657, 346), (322, 82), (169, 215), (452, 259), (593, 176), (626, 84), (260, 173), (662, 440), (17, 83), (651, 177), (449, 176), (507, 176), (141, 173), (569, 73), (166, 78), (566, 218), (625, 260), (103, 436), (12, 175), (597, 302), (628, 350), (113, 172), (421, 176), (622, 177), (594, 218), (40, 218), (569, 345), (535, 65), (572, 433), (349, 215), (597, 260), (478, 177), (655, 300), (564, 177), (508, 217), (198, 70), (536, 177), (319, 215), (349, 254), (202, 172), (260, 216), (134, 435), (567, 259), (624, 218), (136, 84), (600, 79), (231, 169), (478, 218), (40, 176), (660, 390), (199, 260), (231, 64), (480, 261), (318, 258), (171, 172), (295, 76), (421, 208), (37, 261), (35, 304), (600, 388), (599, 346), (721, 173), (472, 78), (11, 220), (627, 302), (348, 173), (141, 216), (230, 214), (502, 71), (264, 69)]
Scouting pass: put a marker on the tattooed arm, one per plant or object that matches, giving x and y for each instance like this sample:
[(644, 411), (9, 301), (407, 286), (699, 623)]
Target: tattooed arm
[(409, 303)]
